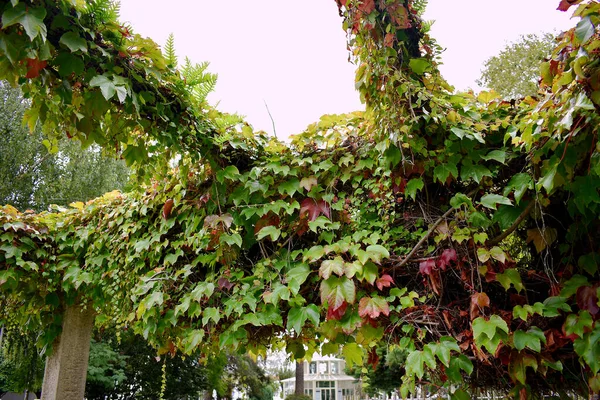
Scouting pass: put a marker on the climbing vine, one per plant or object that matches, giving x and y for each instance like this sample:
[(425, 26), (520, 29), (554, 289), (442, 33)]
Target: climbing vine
[(456, 229)]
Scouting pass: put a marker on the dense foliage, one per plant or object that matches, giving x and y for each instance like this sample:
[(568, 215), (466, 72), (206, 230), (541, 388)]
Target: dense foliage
[(460, 230), (515, 72)]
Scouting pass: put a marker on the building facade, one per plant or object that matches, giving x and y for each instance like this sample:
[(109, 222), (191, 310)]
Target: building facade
[(324, 379)]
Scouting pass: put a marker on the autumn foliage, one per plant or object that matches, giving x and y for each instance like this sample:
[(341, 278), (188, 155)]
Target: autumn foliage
[(457, 228)]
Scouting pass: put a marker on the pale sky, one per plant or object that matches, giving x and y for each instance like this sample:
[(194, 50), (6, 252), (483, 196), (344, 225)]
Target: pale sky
[(292, 54)]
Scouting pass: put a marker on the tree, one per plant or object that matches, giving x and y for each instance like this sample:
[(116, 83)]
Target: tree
[(396, 226), (36, 176), (515, 72), (299, 383), (386, 374), (128, 368), (21, 364)]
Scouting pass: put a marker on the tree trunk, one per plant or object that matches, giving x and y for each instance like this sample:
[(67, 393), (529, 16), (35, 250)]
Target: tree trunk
[(299, 378)]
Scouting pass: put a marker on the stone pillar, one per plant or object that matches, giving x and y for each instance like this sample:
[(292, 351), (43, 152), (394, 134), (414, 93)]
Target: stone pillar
[(66, 368)]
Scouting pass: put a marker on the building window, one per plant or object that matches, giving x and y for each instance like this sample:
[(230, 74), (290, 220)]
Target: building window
[(325, 384), (334, 368), (347, 392), (323, 367), (312, 368), (308, 392)]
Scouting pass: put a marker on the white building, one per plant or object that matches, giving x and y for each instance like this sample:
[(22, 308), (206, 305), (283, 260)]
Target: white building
[(324, 379)]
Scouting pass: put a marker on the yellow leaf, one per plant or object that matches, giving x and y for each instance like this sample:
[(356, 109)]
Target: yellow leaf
[(541, 238), (78, 205)]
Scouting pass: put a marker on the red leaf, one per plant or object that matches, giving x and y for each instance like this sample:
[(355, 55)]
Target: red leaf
[(587, 299), (478, 302), (400, 17), (166, 211), (373, 306), (389, 39), (224, 283), (373, 359), (367, 6), (384, 281), (266, 220), (447, 256), (34, 66), (313, 208), (398, 184), (565, 4), (337, 313), (427, 266)]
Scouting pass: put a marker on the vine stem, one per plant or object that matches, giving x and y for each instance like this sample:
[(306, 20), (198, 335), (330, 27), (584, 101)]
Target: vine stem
[(514, 226), (428, 234)]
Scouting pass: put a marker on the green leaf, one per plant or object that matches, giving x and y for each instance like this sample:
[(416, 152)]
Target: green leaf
[(517, 369), (571, 286), (299, 273), (585, 29), (107, 87), (496, 155), (74, 42), (69, 64), (369, 273), (297, 317), (419, 65), (335, 266), (491, 200), (314, 253), (488, 333), (589, 263), (31, 18), (376, 253), (289, 187), (235, 239), (505, 216), (578, 324), (547, 181), (353, 354), (272, 231), (413, 186), (460, 395), (191, 340), (588, 348), (475, 172), (459, 199), (531, 339), (393, 156), (552, 305), (510, 277), (442, 349), (278, 292), (230, 173), (416, 360), (210, 313), (443, 171), (336, 291)]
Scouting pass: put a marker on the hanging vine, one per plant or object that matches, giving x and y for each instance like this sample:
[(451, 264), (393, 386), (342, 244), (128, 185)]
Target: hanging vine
[(459, 229)]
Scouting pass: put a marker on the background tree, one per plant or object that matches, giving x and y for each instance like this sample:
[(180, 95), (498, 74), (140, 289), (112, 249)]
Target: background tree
[(383, 376), (515, 72), (33, 177), (21, 365), (129, 369)]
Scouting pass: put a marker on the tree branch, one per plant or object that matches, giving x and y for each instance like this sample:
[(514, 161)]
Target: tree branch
[(428, 234), (514, 226)]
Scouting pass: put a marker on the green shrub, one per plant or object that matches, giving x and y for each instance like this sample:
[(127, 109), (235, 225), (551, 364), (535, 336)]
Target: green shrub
[(295, 396)]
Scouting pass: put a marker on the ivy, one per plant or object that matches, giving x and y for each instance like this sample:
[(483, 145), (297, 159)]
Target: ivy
[(459, 228)]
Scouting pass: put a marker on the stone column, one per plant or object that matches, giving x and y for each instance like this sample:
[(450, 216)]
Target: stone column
[(66, 368)]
